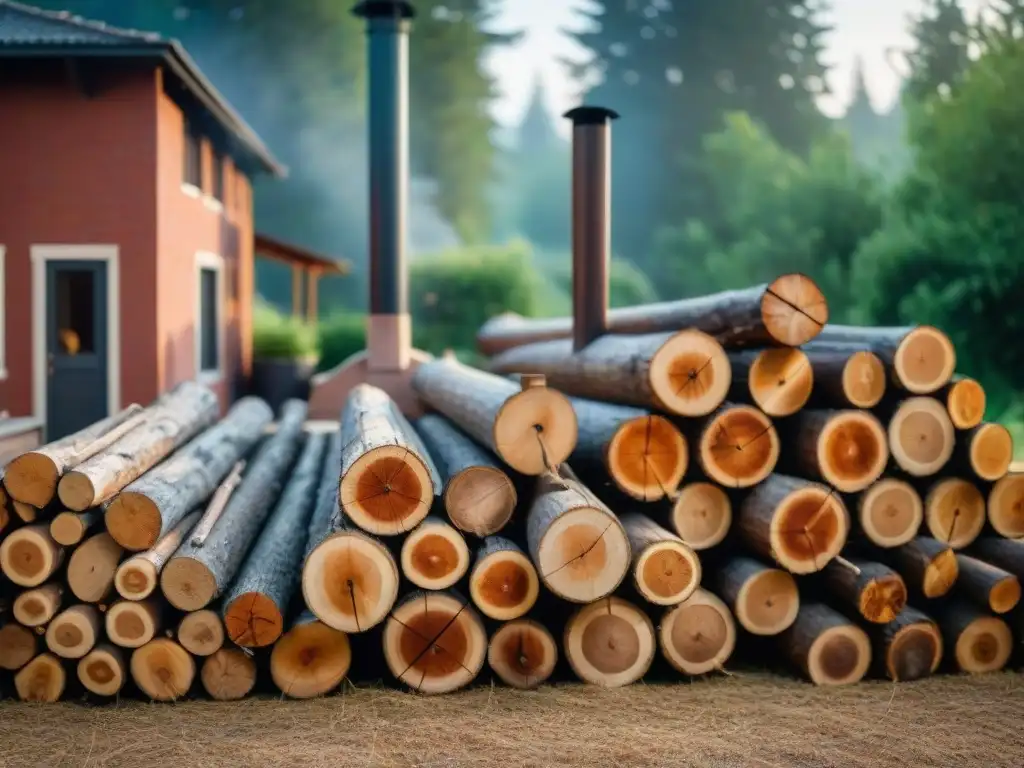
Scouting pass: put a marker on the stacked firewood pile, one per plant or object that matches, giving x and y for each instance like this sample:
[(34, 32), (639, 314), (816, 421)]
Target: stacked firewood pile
[(714, 474)]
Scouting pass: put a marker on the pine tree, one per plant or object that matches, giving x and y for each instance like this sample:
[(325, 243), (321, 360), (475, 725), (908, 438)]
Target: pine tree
[(536, 133), (941, 54)]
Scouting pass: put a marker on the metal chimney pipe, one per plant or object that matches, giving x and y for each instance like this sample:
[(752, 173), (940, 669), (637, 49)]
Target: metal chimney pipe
[(388, 331), (591, 221)]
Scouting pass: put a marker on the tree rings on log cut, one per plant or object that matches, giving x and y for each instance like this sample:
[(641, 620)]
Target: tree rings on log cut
[(698, 635), (954, 511), (387, 490), (851, 450), (829, 649), (965, 402), (35, 607), (350, 581), (890, 512), (780, 380), (229, 674), (201, 633), (764, 600), (535, 430), (610, 643), (929, 565), (162, 669), (311, 659), (92, 566), (647, 457), (863, 379), (909, 647), (42, 679), (74, 632), (434, 555), (480, 500), (434, 642), (132, 624), (690, 374), (1006, 506), (69, 528), (987, 584), (17, 646), (29, 555), (738, 447), (102, 670), (989, 451), (702, 515), (793, 309), (665, 570), (924, 360), (522, 653), (503, 583), (921, 436), (980, 642), (876, 592)]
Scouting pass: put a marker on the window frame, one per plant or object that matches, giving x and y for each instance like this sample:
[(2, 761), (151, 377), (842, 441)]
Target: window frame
[(192, 139), (207, 261)]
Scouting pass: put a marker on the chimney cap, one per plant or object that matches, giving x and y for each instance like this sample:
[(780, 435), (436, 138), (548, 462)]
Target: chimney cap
[(375, 9), (590, 115)]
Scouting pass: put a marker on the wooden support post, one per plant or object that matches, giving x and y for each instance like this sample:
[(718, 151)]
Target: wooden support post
[(296, 291)]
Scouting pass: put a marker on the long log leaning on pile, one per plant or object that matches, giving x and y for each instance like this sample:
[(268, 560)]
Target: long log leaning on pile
[(778, 380), (478, 495), (847, 379), (1005, 506), (195, 575), (907, 648), (150, 507), (530, 427), (32, 477), (789, 311), (682, 372), (172, 420)]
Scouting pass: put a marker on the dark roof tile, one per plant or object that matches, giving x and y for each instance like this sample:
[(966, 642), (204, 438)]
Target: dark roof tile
[(27, 25)]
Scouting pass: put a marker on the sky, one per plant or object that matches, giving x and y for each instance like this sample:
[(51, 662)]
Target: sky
[(865, 28)]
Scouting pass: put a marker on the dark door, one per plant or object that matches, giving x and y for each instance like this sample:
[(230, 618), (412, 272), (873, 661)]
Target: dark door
[(76, 345)]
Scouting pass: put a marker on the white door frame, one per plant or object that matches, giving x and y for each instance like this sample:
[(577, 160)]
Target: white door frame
[(41, 254)]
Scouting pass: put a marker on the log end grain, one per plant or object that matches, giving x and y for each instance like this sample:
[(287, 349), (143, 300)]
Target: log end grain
[(350, 581), (535, 430), (666, 572), (29, 555), (890, 512), (768, 602), (228, 674), (17, 646), (940, 574), (882, 598), (188, 583), (387, 491), (924, 360), (67, 528), (702, 515), (434, 642), (522, 653), (201, 633), (921, 436), (76, 491), (35, 607), (136, 578), (914, 652), (42, 679), (610, 643), (480, 500), (133, 520), (647, 457), (840, 655), (991, 451), (311, 659), (92, 566), (690, 374), (954, 511), (793, 309), (253, 620), (1006, 506), (852, 451), (162, 669), (32, 478), (434, 555), (504, 585), (965, 403), (102, 670), (984, 645), (132, 624), (863, 379), (809, 528), (739, 447), (780, 381), (74, 632), (698, 635)]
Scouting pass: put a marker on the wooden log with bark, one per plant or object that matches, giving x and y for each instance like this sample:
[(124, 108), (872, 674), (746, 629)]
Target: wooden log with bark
[(928, 566), (698, 635), (531, 427), (987, 585), (847, 378), (434, 555), (779, 381), (665, 570), (133, 623), (764, 600), (874, 591), (162, 669), (388, 480), (789, 311), (310, 659), (41, 680), (1007, 554), (137, 576), (954, 511), (610, 642), (965, 401), (18, 646), (69, 528), (826, 646), (889, 513), (170, 422), (36, 607), (503, 583), (29, 555), (921, 436), (845, 449), (74, 632), (228, 674), (701, 515), (907, 648), (737, 446), (523, 653), (195, 575), (1005, 506), (153, 505), (92, 566), (478, 495), (979, 641), (201, 633), (103, 670), (984, 451), (25, 512), (255, 606)]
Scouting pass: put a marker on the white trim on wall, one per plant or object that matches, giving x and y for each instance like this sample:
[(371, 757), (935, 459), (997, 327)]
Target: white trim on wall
[(3, 313), (40, 254), (208, 260)]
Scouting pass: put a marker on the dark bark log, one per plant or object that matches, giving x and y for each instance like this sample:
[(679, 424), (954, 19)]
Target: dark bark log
[(310, 659), (907, 648), (847, 379), (523, 653), (889, 513), (139, 575), (987, 585), (737, 446), (764, 600), (976, 641), (1006, 506), (698, 635), (927, 566), (954, 511), (779, 381), (665, 570), (69, 528), (847, 450), (984, 451), (965, 401), (826, 646), (434, 555), (921, 436), (1007, 554), (503, 583), (610, 643), (874, 591), (29, 555)]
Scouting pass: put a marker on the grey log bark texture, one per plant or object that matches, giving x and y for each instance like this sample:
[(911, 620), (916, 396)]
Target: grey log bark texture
[(987, 585), (326, 494), (1007, 554)]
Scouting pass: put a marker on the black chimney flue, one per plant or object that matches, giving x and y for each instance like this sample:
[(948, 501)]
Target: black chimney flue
[(591, 221)]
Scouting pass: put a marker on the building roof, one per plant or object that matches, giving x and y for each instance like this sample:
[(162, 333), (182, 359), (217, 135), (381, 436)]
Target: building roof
[(271, 247), (30, 32)]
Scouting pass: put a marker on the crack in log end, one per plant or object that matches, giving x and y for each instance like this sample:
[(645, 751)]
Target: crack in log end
[(808, 530), (583, 553), (883, 599), (793, 310), (740, 447), (522, 653), (647, 458), (385, 493), (253, 620)]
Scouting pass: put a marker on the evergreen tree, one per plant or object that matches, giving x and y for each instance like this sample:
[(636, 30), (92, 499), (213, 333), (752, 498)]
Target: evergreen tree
[(536, 132), (940, 56)]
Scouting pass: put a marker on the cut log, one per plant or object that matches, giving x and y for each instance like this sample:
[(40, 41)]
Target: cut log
[(778, 381), (5, 516), (954, 512), (32, 477), (645, 455), (25, 512), (889, 512), (35, 607), (847, 379), (103, 671), (153, 505), (29, 555), (69, 528), (138, 576), (194, 576), (522, 653), (922, 358), (1006, 506), (170, 422), (875, 591), (665, 570), (737, 446), (921, 436), (845, 449), (434, 642), (987, 585), (42, 679), (201, 633), (228, 675), (434, 555), (764, 600), (965, 401), (1007, 554), (311, 659), (478, 495), (74, 632), (610, 643), (826, 646), (685, 372), (980, 642), (698, 635), (162, 669), (530, 427), (702, 515), (218, 503), (578, 546), (927, 566), (789, 311), (503, 582), (799, 524), (985, 451), (132, 624), (907, 648), (17, 646), (92, 566), (388, 480), (255, 605)]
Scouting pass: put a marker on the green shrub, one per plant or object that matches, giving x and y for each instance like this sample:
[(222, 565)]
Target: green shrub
[(279, 337), (341, 336)]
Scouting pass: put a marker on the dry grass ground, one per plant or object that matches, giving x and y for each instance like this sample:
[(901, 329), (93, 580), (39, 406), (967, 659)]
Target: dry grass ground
[(753, 720)]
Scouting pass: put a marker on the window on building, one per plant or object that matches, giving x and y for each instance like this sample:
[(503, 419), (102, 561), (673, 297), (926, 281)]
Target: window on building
[(209, 315), (193, 171), (217, 182)]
